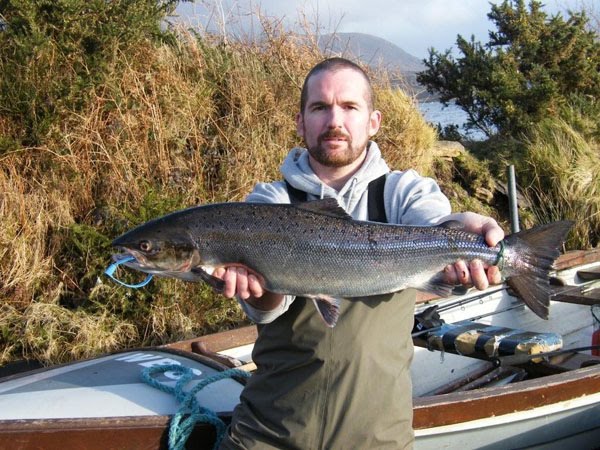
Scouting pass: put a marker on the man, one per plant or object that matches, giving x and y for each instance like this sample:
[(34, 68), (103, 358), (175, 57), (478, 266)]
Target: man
[(349, 386)]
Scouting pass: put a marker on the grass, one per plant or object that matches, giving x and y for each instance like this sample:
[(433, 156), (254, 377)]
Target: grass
[(563, 180)]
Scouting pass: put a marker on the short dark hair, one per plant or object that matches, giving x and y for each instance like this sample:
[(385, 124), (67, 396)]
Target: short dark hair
[(333, 65)]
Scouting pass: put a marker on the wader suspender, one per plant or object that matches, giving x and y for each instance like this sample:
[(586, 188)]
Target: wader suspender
[(375, 202)]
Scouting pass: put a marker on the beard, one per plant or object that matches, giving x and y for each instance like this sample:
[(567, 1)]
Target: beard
[(337, 157)]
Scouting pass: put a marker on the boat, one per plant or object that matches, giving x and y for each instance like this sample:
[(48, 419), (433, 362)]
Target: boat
[(493, 376)]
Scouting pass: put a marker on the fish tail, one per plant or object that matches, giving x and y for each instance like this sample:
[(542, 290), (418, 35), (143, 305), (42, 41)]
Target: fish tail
[(328, 308), (541, 248)]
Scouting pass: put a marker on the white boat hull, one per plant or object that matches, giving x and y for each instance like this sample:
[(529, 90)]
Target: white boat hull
[(570, 424)]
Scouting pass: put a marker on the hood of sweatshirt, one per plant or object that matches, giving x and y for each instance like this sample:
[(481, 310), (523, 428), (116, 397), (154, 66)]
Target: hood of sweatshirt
[(298, 172)]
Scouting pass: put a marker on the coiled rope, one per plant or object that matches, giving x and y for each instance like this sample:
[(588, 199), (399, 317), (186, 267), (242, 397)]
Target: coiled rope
[(190, 411)]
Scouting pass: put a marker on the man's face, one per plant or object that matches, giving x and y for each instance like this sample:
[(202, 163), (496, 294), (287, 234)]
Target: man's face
[(337, 123)]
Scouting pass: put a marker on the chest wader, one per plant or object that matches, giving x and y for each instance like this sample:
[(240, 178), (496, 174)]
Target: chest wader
[(346, 387)]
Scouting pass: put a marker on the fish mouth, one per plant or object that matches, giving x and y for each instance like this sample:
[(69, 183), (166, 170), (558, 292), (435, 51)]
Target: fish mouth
[(139, 263), (143, 264)]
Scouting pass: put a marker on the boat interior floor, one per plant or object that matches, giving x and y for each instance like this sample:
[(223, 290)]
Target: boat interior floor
[(489, 375)]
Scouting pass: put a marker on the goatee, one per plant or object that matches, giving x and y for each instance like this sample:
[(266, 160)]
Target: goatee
[(337, 158)]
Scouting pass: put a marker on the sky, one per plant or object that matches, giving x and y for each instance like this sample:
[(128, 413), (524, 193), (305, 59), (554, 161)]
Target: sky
[(413, 25)]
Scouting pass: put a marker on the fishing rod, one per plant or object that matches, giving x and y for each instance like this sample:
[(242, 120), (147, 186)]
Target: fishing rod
[(470, 319), (465, 301), (512, 360)]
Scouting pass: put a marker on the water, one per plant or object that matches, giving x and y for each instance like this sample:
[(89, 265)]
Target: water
[(435, 112)]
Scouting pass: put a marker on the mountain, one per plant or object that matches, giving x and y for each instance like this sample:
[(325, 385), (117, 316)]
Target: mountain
[(371, 50), (378, 53)]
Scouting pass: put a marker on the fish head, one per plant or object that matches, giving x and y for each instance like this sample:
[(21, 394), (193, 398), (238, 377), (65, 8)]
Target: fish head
[(158, 249)]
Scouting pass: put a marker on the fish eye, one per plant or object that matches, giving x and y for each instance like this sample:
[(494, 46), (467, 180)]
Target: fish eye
[(145, 246)]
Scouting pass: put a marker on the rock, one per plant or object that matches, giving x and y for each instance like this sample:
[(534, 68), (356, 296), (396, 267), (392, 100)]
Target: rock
[(485, 195), (447, 149), (522, 201)]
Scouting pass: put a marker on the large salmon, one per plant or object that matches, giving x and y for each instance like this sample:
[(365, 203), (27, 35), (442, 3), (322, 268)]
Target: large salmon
[(316, 250)]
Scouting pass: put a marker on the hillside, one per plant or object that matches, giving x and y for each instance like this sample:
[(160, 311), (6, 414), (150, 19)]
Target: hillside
[(378, 53), (372, 50)]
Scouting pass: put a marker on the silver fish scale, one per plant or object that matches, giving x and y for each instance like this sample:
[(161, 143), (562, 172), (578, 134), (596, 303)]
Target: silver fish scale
[(304, 253)]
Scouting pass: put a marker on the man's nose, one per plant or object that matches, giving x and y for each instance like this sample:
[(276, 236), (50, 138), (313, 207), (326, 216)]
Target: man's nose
[(335, 117)]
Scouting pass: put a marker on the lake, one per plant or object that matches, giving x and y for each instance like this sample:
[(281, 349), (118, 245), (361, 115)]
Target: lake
[(435, 112)]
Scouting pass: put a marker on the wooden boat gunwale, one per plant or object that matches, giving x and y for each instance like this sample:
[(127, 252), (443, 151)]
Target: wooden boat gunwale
[(526, 395), (98, 433)]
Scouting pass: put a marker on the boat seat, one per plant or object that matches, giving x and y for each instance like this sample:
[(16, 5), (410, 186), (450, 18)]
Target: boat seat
[(483, 341)]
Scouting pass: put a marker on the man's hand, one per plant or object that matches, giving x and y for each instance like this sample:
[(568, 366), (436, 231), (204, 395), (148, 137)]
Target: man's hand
[(247, 286), (475, 273), (239, 282)]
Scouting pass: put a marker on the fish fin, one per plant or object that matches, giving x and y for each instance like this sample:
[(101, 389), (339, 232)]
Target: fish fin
[(327, 206), (216, 283), (437, 285), (451, 225), (536, 295), (542, 246), (439, 289), (329, 309)]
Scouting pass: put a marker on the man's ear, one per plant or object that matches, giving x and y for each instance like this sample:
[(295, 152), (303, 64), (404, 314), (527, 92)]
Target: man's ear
[(374, 123), (300, 125)]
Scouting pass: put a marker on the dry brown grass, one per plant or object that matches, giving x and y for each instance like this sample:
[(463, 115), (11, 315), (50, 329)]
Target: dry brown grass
[(28, 210), (563, 180), (405, 138)]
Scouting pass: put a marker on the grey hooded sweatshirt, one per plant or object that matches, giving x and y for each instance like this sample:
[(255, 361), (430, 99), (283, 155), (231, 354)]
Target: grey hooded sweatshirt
[(346, 387)]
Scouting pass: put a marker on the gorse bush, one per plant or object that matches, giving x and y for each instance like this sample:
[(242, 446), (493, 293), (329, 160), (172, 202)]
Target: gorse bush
[(532, 65), (557, 169), (54, 53)]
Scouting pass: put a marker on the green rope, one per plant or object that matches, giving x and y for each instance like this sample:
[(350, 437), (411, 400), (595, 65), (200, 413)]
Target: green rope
[(190, 412)]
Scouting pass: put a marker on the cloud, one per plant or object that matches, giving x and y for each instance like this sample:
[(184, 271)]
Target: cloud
[(414, 25)]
